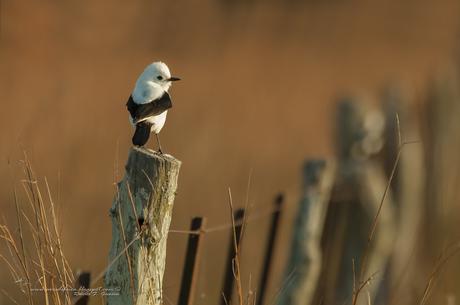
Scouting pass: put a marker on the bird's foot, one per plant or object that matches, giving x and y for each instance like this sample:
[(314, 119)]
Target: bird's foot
[(160, 151)]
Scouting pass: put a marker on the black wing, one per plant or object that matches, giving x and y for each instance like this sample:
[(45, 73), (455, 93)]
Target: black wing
[(155, 107)]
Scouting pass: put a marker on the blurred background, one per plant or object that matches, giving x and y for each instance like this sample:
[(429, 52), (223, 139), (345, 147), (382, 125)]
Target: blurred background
[(258, 96)]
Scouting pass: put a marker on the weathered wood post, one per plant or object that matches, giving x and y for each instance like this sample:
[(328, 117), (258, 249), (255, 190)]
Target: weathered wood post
[(234, 241), (409, 196), (305, 259), (358, 208), (441, 209), (141, 214)]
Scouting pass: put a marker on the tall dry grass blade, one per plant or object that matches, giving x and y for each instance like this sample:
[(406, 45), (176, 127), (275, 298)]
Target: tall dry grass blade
[(42, 272), (43, 282), (246, 208), (49, 239), (8, 237), (12, 270), (362, 267), (131, 200), (102, 273), (441, 261), (225, 299), (21, 235), (235, 244), (37, 264), (286, 282), (8, 296), (66, 276), (116, 163), (128, 258)]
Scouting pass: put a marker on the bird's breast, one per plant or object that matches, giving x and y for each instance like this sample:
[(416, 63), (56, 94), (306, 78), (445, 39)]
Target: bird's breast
[(157, 121)]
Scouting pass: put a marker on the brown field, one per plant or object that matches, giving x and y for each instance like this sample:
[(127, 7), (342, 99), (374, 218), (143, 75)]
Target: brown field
[(260, 83)]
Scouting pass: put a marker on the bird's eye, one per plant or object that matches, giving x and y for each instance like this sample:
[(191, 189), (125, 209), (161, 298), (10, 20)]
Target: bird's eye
[(159, 77)]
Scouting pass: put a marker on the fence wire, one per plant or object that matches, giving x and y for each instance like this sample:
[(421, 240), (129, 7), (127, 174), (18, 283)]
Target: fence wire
[(253, 217), (222, 227)]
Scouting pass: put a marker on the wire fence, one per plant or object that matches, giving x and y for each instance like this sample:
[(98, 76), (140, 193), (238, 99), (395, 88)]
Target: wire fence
[(197, 233)]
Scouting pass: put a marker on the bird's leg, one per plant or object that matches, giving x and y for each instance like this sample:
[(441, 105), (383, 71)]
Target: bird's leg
[(159, 144)]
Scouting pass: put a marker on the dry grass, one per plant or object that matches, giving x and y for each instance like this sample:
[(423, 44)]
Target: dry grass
[(35, 256), (274, 69), (44, 275), (79, 66)]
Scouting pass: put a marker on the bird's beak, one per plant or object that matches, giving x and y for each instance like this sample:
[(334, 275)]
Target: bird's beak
[(173, 79)]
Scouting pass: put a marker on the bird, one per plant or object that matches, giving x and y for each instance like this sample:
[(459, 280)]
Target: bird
[(149, 102)]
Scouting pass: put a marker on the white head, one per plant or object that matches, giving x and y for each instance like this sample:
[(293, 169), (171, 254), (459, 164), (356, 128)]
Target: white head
[(158, 73)]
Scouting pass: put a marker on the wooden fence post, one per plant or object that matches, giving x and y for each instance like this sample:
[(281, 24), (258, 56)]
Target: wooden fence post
[(141, 214), (278, 205), (304, 263), (441, 145), (192, 261), (82, 283), (229, 279), (409, 198), (352, 252)]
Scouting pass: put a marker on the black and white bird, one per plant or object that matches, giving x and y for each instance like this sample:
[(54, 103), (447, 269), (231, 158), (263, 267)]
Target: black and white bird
[(149, 103)]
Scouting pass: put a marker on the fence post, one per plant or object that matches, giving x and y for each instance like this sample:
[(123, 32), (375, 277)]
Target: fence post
[(141, 214), (229, 278), (409, 197), (82, 283), (352, 254), (304, 263), (192, 260), (278, 204)]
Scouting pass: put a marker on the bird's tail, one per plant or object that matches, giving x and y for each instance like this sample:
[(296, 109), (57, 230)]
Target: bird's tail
[(142, 133)]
